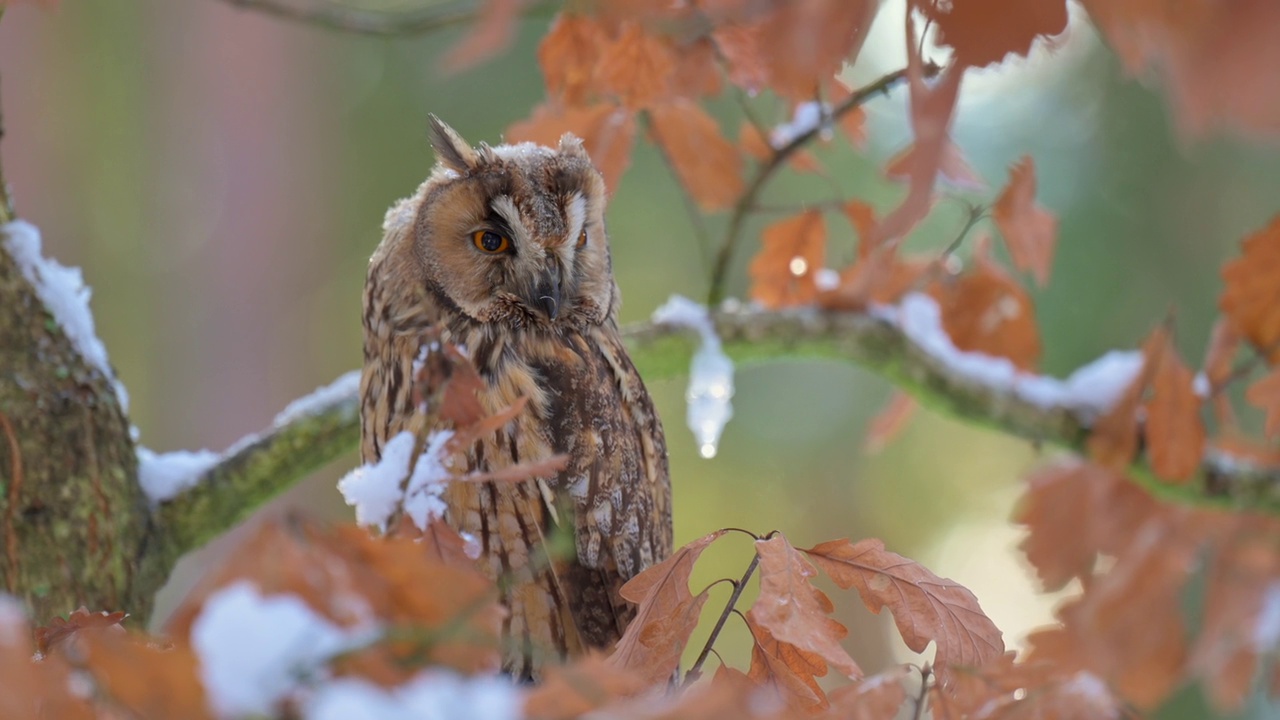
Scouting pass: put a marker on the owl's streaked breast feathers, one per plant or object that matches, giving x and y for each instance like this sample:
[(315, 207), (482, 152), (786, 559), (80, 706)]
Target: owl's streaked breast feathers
[(503, 250)]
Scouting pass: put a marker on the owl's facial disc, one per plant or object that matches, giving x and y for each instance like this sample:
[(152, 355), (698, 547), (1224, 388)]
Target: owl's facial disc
[(539, 264)]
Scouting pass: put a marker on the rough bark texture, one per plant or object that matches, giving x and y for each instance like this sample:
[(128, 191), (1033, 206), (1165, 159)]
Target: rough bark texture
[(74, 523)]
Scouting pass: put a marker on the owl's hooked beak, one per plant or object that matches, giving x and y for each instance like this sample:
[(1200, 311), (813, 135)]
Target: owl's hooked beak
[(548, 295)]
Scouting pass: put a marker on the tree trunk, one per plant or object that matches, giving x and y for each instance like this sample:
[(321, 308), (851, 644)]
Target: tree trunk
[(74, 523)]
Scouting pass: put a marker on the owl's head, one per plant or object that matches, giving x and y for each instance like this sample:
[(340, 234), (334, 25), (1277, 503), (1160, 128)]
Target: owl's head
[(513, 234)]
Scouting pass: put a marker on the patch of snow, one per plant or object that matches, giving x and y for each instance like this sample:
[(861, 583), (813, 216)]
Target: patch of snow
[(1266, 631), (376, 489), (164, 476), (826, 279), (1200, 385), (1090, 687), (1089, 391), (806, 117), (347, 385), (255, 650), (710, 393), (433, 695), (13, 621), (64, 294)]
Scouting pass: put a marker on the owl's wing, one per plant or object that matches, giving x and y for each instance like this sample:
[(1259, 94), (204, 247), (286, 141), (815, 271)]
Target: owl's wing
[(617, 481)]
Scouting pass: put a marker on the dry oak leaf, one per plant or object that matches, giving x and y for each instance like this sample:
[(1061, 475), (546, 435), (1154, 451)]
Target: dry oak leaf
[(793, 610), (1219, 356), (1113, 439), (707, 164), (786, 670), (569, 54), (875, 697), (490, 34), (141, 678), (607, 131), (586, 684), (666, 616), (1265, 394), (862, 216), (983, 32), (47, 636), (32, 690), (739, 45), (1029, 230), (882, 277), (637, 67), (697, 72), (1251, 298), (804, 42), (791, 253), (952, 166), (924, 606), (1213, 57), (1173, 430), (985, 310)]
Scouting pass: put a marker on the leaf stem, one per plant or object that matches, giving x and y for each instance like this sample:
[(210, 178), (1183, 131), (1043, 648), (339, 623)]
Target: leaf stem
[(747, 202), (696, 671)]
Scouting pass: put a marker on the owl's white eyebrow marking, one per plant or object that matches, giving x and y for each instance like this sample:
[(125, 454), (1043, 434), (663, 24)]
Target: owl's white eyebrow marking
[(576, 211), (506, 207)]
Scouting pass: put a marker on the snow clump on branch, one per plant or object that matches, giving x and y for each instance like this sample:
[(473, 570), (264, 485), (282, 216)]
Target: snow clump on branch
[(710, 392)]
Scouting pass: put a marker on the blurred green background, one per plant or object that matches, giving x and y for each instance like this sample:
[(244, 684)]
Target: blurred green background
[(221, 176)]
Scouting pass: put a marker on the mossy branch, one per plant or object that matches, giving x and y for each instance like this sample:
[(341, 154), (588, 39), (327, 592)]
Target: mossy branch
[(282, 456)]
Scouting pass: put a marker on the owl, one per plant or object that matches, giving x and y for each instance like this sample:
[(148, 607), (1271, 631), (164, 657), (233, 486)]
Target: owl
[(503, 252)]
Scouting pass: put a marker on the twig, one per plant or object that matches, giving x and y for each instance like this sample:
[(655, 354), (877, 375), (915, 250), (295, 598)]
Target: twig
[(926, 672), (764, 173), (334, 16), (696, 671), (976, 213)]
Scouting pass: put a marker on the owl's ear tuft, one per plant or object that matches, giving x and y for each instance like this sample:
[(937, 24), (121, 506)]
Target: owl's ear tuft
[(571, 146), (451, 150)]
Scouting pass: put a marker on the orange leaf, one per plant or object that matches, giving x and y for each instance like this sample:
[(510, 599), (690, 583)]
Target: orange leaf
[(890, 421), (804, 42), (1173, 429), (708, 165), (32, 690), (952, 165), (1251, 297), (987, 311), (589, 683), (141, 679), (697, 70), (880, 277), (983, 32), (668, 613), (1029, 230), (637, 67), (862, 216), (1113, 439), (1265, 394), (569, 54), (793, 610), (607, 133), (1224, 344), (786, 669), (791, 253), (489, 35), (876, 697), (58, 630), (925, 607), (740, 47)]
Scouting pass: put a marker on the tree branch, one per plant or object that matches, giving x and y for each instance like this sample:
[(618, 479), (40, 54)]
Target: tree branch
[(280, 457), (335, 16)]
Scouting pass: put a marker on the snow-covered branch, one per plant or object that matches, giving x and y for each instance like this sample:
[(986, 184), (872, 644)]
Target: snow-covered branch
[(903, 343)]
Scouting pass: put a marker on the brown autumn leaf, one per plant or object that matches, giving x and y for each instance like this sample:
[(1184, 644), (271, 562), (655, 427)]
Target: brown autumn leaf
[(804, 42), (32, 690), (925, 607), (1073, 510), (985, 310), (875, 697), (1251, 297), (490, 34), (791, 253), (586, 684), (697, 72), (1239, 616), (707, 164), (637, 67), (889, 423), (1173, 430), (141, 678), (1113, 439), (569, 54), (1212, 58), (1265, 394), (788, 671), (755, 145), (58, 630), (793, 610), (983, 32), (607, 132), (952, 166), (862, 216), (1219, 356), (881, 277), (667, 614), (1029, 230), (739, 45)]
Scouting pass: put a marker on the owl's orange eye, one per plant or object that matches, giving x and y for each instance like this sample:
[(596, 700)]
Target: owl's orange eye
[(582, 237), (490, 242)]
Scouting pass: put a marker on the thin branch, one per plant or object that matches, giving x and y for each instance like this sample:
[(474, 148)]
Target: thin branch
[(285, 454), (696, 670), (976, 213), (362, 21), (747, 202), (926, 673)]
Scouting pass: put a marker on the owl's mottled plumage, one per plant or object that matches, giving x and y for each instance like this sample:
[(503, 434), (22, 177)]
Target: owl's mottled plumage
[(539, 320)]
